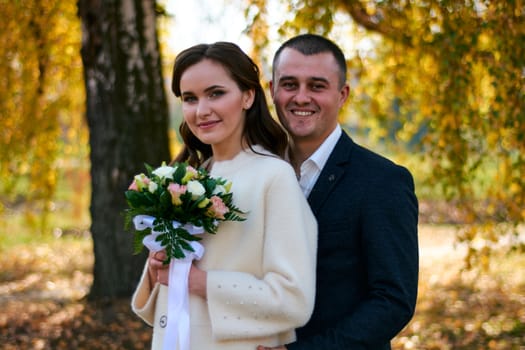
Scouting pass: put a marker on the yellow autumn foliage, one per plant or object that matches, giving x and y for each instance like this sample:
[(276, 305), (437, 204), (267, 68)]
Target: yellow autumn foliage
[(445, 80), (42, 100)]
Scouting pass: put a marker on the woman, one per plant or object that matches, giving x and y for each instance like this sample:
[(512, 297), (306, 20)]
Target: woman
[(255, 283)]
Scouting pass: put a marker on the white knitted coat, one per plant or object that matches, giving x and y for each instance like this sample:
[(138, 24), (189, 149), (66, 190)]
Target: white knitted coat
[(261, 272)]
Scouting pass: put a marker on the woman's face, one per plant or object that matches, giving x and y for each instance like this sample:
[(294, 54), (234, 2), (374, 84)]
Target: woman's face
[(214, 107)]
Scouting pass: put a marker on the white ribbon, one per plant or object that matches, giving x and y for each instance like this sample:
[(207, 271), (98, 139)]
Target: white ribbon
[(177, 333)]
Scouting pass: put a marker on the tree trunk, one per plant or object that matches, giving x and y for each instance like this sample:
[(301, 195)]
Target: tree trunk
[(128, 123)]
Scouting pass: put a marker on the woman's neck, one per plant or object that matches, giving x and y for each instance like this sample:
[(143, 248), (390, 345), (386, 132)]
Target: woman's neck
[(228, 151)]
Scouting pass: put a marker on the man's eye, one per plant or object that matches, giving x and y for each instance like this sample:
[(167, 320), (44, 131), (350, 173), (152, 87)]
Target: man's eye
[(288, 85)]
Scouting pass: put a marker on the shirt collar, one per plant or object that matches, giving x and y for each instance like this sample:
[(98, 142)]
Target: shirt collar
[(320, 156)]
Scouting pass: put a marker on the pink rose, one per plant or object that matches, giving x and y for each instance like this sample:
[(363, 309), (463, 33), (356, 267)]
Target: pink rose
[(176, 191), (217, 208), (133, 186), (192, 170), (141, 182)]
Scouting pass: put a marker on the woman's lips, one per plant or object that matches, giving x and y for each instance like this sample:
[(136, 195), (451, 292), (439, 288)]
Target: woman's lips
[(208, 124)]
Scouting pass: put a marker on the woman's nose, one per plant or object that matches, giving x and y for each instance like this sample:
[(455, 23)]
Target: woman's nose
[(203, 109)]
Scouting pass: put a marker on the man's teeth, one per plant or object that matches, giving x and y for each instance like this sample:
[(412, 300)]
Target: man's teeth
[(302, 113)]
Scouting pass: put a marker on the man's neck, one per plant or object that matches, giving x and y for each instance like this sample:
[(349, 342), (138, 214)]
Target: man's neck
[(301, 150)]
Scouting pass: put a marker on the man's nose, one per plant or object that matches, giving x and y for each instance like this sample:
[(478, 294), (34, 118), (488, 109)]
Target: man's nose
[(302, 96)]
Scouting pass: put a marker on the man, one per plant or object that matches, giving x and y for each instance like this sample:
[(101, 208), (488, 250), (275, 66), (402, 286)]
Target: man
[(365, 205)]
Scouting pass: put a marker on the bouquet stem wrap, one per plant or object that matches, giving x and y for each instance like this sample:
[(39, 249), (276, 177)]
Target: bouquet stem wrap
[(177, 334)]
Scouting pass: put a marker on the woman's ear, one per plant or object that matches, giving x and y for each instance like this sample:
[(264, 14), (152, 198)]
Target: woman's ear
[(248, 98)]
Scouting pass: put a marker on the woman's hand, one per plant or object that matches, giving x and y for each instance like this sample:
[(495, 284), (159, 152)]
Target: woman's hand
[(157, 270), (197, 282)]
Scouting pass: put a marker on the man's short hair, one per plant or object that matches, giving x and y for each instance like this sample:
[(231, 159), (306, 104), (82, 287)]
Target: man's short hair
[(312, 44)]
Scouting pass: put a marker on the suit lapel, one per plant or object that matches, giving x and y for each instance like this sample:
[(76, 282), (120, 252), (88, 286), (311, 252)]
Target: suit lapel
[(331, 173)]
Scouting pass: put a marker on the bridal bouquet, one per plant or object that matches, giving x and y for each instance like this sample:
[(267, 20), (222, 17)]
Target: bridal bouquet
[(176, 202)]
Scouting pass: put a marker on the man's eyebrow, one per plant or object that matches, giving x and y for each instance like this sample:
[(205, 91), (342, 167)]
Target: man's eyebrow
[(315, 79), (287, 77), (321, 79)]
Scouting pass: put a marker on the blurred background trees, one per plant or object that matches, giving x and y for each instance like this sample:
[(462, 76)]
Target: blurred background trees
[(440, 79), (437, 85), (42, 104)]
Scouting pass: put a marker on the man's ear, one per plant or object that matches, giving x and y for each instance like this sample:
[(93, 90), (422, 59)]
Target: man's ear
[(271, 88), (344, 93)]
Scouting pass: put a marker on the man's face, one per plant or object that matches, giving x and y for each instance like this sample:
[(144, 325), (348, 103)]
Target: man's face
[(307, 94)]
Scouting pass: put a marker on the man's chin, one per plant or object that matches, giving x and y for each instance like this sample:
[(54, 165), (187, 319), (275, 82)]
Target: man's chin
[(300, 134)]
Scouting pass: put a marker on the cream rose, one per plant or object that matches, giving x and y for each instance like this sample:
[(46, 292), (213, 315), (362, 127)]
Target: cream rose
[(164, 172), (196, 189)]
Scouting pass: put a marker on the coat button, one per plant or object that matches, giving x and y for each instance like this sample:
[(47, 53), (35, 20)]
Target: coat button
[(163, 321)]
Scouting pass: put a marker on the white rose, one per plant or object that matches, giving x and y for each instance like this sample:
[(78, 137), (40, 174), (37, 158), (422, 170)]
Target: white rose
[(152, 187), (195, 188), (164, 172)]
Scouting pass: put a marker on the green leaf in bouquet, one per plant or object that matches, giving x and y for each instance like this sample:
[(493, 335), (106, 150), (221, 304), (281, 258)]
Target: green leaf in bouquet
[(174, 250), (233, 216), (165, 200), (138, 238), (177, 213), (128, 219), (149, 198), (181, 233), (161, 225), (135, 199), (210, 227), (195, 203), (144, 201), (186, 200), (227, 198), (186, 246), (175, 246), (179, 173), (209, 185), (164, 239), (149, 169)]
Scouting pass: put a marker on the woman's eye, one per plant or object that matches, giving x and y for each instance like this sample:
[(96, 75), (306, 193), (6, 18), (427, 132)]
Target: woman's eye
[(188, 99), (216, 93)]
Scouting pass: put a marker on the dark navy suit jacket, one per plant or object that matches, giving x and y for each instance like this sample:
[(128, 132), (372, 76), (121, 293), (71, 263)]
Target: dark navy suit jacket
[(367, 266)]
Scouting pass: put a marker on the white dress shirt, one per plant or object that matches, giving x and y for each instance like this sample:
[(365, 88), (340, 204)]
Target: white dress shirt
[(311, 167)]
